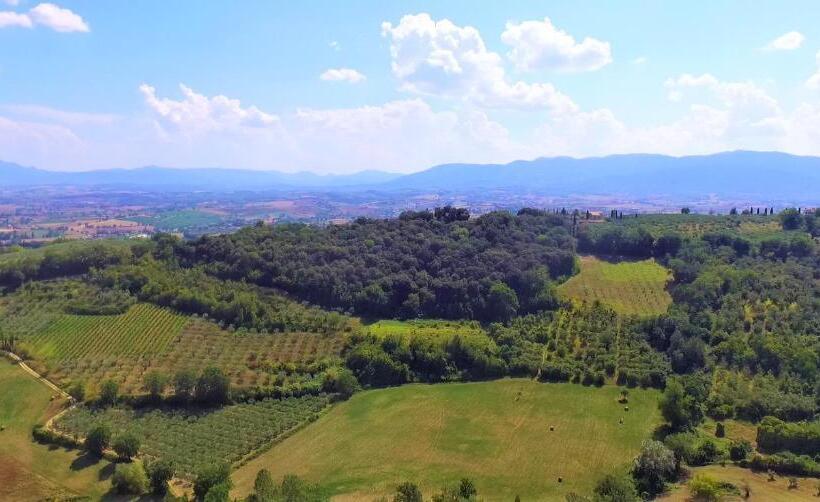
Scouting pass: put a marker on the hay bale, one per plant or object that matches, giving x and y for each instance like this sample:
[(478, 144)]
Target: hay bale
[(552, 428)]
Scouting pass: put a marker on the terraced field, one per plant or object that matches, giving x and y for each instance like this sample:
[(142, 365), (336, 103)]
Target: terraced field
[(628, 287)]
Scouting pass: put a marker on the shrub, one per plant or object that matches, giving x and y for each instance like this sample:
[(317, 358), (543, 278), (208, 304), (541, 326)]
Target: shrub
[(774, 434), (108, 393), (739, 450), (160, 473), (77, 391), (705, 488), (654, 466), (219, 493), (98, 439), (210, 477), (130, 479), (616, 489), (407, 492), (127, 446), (720, 430)]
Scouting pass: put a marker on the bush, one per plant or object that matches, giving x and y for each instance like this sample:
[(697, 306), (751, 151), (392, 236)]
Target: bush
[(786, 463), (654, 466), (407, 492), (98, 439), (127, 446), (108, 393), (340, 381), (210, 477), (616, 489), (774, 434), (720, 430), (739, 450), (130, 479), (160, 473), (705, 488), (77, 391), (219, 493)]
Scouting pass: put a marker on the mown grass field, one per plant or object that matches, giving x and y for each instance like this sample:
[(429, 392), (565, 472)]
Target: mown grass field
[(497, 433), (31, 471), (195, 438), (628, 287)]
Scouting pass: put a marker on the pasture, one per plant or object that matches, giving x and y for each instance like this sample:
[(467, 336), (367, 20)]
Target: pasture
[(31, 471), (497, 433), (761, 489), (628, 287)]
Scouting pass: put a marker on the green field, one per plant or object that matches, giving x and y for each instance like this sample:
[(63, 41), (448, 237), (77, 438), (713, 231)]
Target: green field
[(193, 438), (180, 220), (497, 433), (31, 471), (628, 287)]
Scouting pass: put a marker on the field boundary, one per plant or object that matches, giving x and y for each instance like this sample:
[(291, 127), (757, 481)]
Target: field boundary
[(28, 369)]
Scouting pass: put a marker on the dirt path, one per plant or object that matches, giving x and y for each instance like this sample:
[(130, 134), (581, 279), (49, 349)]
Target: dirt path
[(14, 357)]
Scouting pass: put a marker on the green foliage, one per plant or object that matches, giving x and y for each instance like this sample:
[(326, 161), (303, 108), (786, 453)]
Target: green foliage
[(219, 493), (775, 435), (502, 302), (77, 391), (184, 384), (614, 488), (407, 492), (340, 381), (98, 439), (108, 393), (130, 478), (210, 477), (654, 466), (154, 382), (416, 265), (680, 408), (705, 488), (739, 450), (213, 387), (192, 438), (160, 472), (127, 446)]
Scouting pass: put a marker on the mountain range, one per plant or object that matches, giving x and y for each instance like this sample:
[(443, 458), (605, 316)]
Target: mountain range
[(738, 173)]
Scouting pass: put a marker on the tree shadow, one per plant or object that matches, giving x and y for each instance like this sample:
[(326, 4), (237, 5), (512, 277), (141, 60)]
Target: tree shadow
[(83, 461), (106, 472)]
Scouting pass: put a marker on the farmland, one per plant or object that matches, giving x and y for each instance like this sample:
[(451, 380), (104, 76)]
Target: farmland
[(628, 287), (193, 438), (497, 433), (31, 471)]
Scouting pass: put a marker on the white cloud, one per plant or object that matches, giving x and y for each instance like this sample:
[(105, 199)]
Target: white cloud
[(439, 58), (13, 3), (335, 45), (199, 113), (813, 82), (57, 18), (44, 14), (8, 18), (640, 60), (539, 45), (343, 75), (786, 42)]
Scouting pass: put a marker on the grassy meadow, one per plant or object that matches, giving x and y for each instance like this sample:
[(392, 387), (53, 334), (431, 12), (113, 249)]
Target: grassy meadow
[(497, 433), (31, 471), (761, 489), (628, 287)]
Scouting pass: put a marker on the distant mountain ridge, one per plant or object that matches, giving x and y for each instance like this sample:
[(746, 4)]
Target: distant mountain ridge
[(739, 173)]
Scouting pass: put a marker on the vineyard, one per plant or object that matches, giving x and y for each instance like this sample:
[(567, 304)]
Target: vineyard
[(143, 329), (434, 329), (194, 439), (250, 360), (630, 288)]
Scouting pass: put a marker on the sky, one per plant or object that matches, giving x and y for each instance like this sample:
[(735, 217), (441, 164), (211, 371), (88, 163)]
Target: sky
[(339, 87)]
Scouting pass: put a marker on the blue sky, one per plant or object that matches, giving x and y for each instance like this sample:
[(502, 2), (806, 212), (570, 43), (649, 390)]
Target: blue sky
[(400, 86)]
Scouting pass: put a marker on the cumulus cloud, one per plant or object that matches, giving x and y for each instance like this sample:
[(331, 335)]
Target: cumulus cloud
[(342, 75), (45, 14), (440, 58), (539, 45), (786, 42), (197, 113), (8, 19)]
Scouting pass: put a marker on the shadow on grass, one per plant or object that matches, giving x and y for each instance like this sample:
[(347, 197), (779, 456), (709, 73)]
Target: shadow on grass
[(106, 472), (113, 496), (83, 461)]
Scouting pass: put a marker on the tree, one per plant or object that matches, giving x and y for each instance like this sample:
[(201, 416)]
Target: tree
[(705, 488), (213, 387), (160, 472), (720, 430), (108, 393), (685, 210), (616, 489), (263, 487), (127, 446), (184, 384), (790, 219), (130, 479), (340, 381), (219, 493), (98, 439), (679, 407), (210, 477), (407, 492), (502, 302), (77, 391), (154, 383), (739, 450), (653, 467)]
